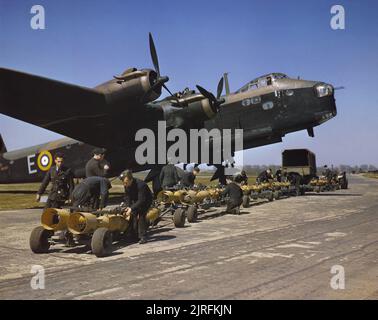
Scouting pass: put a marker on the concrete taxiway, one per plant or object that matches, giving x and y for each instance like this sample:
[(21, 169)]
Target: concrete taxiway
[(278, 250)]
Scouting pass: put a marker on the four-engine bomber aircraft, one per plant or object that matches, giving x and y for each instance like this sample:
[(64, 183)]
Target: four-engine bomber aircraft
[(109, 115)]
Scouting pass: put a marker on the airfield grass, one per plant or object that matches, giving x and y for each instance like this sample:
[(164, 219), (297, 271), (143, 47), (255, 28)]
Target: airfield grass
[(371, 175), (22, 196)]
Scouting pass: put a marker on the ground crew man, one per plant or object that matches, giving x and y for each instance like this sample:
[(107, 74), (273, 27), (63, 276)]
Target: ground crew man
[(265, 176), (235, 194), (327, 173), (61, 179), (278, 175), (138, 199), (169, 176), (97, 166), (188, 178), (244, 178), (88, 189)]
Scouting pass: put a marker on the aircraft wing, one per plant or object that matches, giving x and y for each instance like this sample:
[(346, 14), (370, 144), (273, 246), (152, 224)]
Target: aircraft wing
[(73, 111)]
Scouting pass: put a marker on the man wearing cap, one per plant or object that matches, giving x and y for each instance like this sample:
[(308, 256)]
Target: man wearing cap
[(138, 199), (235, 194), (265, 176), (188, 178), (97, 166), (243, 178), (61, 179)]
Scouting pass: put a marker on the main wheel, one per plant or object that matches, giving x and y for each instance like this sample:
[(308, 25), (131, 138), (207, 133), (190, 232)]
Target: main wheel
[(246, 201), (270, 196), (276, 195), (102, 241), (179, 217), (39, 239), (192, 214)]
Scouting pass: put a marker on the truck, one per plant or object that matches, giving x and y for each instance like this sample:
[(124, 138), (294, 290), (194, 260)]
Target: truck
[(300, 165)]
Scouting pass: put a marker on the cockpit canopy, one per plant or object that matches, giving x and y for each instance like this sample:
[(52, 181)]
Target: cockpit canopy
[(262, 81)]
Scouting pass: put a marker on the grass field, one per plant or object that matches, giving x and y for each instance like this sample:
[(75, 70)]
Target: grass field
[(371, 175), (22, 196)]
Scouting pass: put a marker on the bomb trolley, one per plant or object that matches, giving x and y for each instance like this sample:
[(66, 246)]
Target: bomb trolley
[(98, 229)]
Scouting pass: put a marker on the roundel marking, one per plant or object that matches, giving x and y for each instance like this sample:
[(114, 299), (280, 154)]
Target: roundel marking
[(44, 160)]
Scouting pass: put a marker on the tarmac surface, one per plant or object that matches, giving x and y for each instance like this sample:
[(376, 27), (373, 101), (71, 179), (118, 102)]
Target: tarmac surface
[(284, 249)]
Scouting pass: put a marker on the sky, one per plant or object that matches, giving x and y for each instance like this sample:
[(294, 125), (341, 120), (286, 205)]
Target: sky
[(87, 42)]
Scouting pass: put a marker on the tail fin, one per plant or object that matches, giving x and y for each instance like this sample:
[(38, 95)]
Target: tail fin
[(3, 148)]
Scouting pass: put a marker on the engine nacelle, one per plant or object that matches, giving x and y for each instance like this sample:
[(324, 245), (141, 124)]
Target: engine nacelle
[(132, 85), (192, 111)]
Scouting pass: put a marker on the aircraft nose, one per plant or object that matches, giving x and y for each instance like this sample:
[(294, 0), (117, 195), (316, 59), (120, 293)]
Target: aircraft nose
[(325, 94)]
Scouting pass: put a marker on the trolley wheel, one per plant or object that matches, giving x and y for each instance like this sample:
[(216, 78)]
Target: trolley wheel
[(39, 240), (192, 214), (102, 241), (179, 217), (246, 201)]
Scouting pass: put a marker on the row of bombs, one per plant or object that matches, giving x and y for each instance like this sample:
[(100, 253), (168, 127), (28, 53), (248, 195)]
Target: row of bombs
[(267, 190), (184, 204), (100, 229), (323, 184)]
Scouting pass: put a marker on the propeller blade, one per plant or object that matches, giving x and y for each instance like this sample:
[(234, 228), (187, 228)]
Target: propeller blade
[(207, 94), (339, 88), (220, 88), (169, 91), (154, 56)]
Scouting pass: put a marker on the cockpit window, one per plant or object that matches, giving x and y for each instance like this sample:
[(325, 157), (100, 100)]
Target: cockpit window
[(263, 81)]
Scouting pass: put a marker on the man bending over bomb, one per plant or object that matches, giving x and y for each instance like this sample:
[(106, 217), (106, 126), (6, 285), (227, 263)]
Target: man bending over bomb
[(90, 188), (235, 194), (138, 199)]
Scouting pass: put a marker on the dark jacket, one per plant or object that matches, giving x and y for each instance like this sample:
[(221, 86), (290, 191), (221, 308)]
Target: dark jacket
[(62, 183), (89, 188), (233, 191), (188, 179), (138, 196), (169, 176), (264, 177), (95, 168)]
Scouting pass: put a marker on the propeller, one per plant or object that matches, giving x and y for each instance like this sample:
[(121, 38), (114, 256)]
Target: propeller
[(160, 80), (215, 102)]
